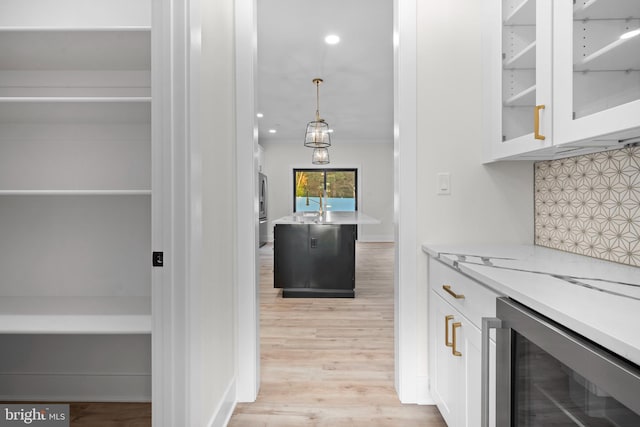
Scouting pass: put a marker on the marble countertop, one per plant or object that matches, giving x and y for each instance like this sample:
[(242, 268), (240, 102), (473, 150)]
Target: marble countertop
[(329, 217), (597, 299)]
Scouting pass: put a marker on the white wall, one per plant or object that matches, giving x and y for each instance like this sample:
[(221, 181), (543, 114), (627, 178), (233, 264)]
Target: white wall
[(217, 141), (492, 203), (375, 173)]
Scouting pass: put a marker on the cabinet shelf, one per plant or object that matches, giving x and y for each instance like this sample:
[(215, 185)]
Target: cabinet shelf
[(75, 192), (76, 29), (525, 59), (523, 14), (75, 315), (617, 55), (605, 9), (74, 99), (525, 98)]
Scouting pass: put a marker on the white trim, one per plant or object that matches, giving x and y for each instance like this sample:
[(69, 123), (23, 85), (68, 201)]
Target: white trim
[(222, 415), (171, 213), (247, 233), (193, 228), (405, 208)]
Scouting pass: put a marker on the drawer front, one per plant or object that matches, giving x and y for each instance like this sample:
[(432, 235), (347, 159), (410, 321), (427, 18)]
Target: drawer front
[(471, 298)]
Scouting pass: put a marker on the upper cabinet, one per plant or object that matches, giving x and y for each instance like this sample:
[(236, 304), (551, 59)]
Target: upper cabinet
[(597, 72), (561, 78), (517, 76)]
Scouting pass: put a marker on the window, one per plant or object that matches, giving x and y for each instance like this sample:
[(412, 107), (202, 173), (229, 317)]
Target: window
[(340, 185)]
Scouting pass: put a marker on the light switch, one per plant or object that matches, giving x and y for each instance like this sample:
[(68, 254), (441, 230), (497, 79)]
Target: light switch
[(444, 183)]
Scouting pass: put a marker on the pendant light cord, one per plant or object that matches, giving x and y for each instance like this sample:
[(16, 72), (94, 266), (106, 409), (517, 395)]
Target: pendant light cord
[(317, 82)]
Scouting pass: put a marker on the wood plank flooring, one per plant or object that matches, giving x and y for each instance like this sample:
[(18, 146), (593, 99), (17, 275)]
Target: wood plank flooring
[(330, 362)]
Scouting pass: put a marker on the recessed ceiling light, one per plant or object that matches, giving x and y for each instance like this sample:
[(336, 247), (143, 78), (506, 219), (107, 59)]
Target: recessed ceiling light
[(630, 34), (330, 131), (259, 115), (332, 39), (272, 131)]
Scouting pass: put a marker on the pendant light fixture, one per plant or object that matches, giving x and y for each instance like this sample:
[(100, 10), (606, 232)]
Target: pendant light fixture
[(317, 134), (320, 156)]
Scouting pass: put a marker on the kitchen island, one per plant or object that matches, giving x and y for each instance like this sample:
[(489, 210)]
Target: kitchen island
[(314, 254)]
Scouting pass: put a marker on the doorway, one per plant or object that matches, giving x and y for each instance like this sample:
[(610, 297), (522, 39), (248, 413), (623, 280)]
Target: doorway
[(406, 378)]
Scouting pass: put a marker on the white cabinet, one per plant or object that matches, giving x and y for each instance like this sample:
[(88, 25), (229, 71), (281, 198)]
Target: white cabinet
[(455, 315), (560, 71), (596, 72), (75, 188), (517, 73)]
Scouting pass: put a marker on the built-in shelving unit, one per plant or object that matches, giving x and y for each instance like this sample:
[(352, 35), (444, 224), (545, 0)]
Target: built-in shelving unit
[(75, 187)]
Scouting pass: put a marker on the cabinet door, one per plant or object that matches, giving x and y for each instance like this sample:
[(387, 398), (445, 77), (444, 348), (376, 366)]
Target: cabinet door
[(291, 256), (331, 250), (456, 379), (517, 48), (596, 72), (444, 366)]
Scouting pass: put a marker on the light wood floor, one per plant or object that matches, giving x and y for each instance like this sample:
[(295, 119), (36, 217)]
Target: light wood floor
[(330, 362)]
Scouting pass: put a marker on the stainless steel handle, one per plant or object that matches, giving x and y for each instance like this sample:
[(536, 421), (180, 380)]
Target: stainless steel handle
[(487, 324)]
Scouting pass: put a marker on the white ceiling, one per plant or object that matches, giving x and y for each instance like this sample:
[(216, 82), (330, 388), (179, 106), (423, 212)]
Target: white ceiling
[(356, 98)]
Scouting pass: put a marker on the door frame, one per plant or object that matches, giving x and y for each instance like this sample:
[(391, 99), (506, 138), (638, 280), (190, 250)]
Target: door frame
[(410, 386)]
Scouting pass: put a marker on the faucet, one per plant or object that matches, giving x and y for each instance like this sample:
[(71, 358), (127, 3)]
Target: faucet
[(321, 206)]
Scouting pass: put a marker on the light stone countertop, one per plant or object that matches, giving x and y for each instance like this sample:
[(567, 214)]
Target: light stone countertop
[(595, 298), (329, 217)]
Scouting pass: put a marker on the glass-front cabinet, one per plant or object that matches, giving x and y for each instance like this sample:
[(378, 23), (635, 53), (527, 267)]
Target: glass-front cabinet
[(518, 69), (561, 77), (597, 71)]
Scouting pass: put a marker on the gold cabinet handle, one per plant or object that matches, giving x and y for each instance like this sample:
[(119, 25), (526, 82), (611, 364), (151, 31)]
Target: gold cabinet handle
[(447, 289), (454, 326), (536, 122), (446, 330)]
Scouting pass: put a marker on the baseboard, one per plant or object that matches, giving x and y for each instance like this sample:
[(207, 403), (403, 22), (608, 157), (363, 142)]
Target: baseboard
[(225, 407), (375, 238), (424, 396), (30, 387)]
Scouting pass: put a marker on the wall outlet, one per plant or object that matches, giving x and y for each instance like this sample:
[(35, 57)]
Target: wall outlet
[(443, 183)]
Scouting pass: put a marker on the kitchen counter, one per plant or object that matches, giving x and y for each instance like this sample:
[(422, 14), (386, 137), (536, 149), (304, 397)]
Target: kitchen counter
[(597, 299), (329, 217)]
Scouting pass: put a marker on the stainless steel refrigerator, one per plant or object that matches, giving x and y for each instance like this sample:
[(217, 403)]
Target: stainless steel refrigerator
[(262, 208)]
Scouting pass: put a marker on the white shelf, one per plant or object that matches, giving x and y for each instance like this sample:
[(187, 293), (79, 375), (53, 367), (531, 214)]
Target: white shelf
[(621, 54), (523, 14), (77, 29), (75, 192), (79, 112), (606, 9), (74, 99), (523, 60), (526, 97), (75, 315)]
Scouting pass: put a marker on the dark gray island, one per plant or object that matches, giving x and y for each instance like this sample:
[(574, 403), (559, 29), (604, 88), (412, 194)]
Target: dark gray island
[(314, 256)]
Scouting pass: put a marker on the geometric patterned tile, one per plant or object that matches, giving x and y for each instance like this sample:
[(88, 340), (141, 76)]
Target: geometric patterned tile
[(590, 205)]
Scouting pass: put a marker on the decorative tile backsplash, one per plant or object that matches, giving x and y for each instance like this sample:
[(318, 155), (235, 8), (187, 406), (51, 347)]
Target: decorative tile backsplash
[(590, 205)]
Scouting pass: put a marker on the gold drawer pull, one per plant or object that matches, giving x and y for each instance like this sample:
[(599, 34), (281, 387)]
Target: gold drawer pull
[(446, 330), (536, 122), (454, 326), (447, 289)]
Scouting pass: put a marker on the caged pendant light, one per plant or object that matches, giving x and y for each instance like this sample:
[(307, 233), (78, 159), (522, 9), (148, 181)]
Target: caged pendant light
[(320, 156), (317, 134)]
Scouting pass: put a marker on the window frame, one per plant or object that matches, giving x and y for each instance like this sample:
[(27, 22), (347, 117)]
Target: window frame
[(324, 171)]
